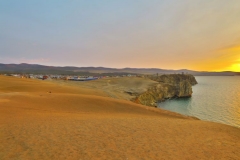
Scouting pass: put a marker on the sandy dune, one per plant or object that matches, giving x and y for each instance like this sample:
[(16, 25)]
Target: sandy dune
[(53, 120)]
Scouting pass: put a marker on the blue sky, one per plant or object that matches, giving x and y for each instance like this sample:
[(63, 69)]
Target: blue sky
[(172, 34)]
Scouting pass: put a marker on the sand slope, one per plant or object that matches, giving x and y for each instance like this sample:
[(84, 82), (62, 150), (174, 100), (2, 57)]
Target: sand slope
[(48, 120), (118, 88)]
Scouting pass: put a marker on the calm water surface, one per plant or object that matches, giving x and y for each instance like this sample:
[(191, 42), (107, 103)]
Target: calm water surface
[(214, 99)]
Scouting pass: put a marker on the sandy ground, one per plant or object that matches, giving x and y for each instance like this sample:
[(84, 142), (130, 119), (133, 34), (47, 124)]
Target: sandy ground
[(120, 88), (49, 120)]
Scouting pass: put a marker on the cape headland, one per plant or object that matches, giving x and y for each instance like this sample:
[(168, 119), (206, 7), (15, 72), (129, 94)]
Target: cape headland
[(147, 90), (168, 86)]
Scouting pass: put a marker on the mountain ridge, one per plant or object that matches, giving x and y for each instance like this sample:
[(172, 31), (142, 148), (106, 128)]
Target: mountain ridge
[(43, 69)]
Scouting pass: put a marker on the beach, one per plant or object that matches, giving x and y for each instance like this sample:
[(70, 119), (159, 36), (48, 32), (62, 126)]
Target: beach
[(59, 120)]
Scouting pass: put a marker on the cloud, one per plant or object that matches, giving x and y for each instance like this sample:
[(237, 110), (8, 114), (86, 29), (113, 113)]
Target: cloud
[(228, 58), (232, 51)]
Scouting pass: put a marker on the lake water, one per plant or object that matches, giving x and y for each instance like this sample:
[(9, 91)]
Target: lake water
[(214, 98)]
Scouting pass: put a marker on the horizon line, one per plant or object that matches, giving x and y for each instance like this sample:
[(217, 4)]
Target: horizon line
[(114, 68)]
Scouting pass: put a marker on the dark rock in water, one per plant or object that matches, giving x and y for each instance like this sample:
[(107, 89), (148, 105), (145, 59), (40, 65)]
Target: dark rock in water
[(169, 86)]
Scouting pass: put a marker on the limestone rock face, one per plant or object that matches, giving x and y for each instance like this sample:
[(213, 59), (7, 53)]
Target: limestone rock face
[(169, 86), (174, 79), (185, 89)]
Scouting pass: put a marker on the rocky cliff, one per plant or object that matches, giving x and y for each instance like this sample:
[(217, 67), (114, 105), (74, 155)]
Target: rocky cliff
[(168, 86)]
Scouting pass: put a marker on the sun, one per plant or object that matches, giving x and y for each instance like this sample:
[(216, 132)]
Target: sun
[(236, 67)]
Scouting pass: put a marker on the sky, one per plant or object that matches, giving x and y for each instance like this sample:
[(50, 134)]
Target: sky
[(202, 35)]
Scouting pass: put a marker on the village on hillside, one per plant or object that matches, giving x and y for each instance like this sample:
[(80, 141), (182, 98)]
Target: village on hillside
[(66, 77)]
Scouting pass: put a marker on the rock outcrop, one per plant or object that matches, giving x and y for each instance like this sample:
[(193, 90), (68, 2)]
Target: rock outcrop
[(168, 86)]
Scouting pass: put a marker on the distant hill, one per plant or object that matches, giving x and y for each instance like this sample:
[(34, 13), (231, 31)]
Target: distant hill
[(71, 70)]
